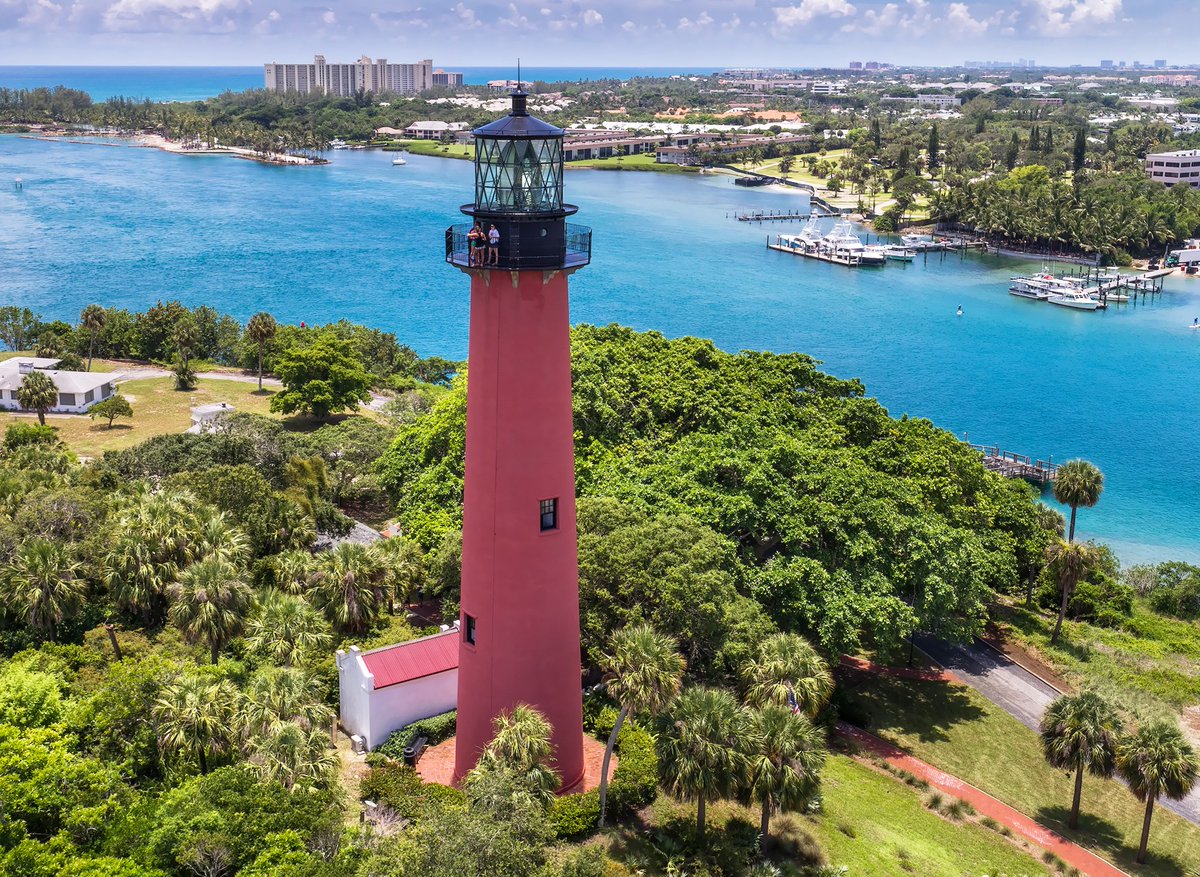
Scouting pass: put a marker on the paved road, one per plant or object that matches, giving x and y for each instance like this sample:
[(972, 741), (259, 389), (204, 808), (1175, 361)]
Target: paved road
[(1016, 691)]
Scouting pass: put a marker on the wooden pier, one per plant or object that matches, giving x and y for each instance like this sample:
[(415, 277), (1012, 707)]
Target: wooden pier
[(1120, 288), (787, 216), (1012, 465), (824, 254)]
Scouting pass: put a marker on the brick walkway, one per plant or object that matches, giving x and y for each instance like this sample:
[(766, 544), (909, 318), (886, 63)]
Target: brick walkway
[(437, 764), (1020, 824), (921, 673)]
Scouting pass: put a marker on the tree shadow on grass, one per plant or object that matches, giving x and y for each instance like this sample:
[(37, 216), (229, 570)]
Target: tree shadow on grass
[(924, 709), (1100, 834), (105, 428)]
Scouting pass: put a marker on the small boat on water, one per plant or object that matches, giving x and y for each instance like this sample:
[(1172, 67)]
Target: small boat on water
[(1074, 298), (898, 253), (337, 144), (843, 241), (397, 162), (1029, 287)]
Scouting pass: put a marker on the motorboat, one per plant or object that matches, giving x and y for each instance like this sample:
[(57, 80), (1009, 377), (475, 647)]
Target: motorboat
[(1075, 298), (397, 162), (1028, 287), (898, 253), (843, 241), (337, 144), (811, 232)]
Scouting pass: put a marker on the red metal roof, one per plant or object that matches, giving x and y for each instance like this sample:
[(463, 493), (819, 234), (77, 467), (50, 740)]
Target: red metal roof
[(405, 662)]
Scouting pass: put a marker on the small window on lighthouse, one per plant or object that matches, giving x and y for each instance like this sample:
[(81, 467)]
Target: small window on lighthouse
[(549, 514), (469, 628)]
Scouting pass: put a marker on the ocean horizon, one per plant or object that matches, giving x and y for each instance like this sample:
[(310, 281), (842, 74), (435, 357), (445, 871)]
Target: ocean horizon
[(197, 83)]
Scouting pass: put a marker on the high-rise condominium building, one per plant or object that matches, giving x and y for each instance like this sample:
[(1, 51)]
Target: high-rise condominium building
[(346, 80)]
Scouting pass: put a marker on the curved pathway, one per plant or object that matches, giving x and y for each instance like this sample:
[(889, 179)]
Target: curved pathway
[(1020, 824), (1017, 691)]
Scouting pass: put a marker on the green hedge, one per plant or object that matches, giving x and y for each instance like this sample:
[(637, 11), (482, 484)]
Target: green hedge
[(436, 728), (634, 785)]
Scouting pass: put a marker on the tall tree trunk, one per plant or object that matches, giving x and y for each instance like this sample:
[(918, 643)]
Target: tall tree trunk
[(203, 760), (52, 631), (41, 417), (260, 368), (764, 828), (1073, 822), (1062, 613), (216, 648), (700, 819), (1141, 856), (608, 751), (1071, 532), (111, 630)]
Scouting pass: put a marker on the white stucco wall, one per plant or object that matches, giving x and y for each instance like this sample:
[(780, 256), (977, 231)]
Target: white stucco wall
[(373, 714)]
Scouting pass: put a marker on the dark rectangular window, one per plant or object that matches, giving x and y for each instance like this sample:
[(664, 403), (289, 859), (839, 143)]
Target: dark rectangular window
[(469, 628), (549, 512)]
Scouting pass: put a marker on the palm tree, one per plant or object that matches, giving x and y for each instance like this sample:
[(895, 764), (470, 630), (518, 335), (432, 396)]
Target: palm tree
[(1155, 761), (37, 393), (643, 674), (1080, 732), (283, 694), (217, 539), (285, 629), (42, 584), (698, 748), (521, 746), (260, 330), (153, 539), (786, 753), (185, 334), (195, 715), (92, 320), (1077, 483), (347, 586), (789, 672), (1069, 562), (209, 603), (294, 756), (402, 568)]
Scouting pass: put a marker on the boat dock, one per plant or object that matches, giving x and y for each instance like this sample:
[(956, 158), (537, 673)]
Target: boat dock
[(823, 254), (784, 216), (1120, 288), (1012, 465)]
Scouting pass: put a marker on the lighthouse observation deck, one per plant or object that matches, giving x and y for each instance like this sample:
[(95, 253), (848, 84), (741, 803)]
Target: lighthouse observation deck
[(523, 247)]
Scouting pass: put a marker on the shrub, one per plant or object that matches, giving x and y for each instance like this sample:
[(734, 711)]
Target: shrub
[(635, 781), (573, 816), (400, 788), (435, 728), (20, 434)]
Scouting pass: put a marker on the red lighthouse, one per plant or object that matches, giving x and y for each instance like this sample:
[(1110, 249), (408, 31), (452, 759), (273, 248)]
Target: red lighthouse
[(519, 625)]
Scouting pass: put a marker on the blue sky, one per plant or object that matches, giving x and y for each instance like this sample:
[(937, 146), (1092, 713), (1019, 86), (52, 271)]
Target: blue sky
[(594, 32)]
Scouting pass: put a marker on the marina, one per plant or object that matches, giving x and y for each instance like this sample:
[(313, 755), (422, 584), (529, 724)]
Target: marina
[(1090, 290), (1012, 465)]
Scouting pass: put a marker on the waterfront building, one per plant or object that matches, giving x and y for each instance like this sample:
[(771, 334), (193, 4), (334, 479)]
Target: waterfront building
[(449, 80), (77, 391), (347, 80), (1171, 168), (433, 130)]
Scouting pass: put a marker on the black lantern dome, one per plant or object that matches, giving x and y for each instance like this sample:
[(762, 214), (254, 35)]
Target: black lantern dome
[(519, 193)]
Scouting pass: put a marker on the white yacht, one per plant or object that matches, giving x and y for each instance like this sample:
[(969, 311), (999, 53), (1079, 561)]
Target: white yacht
[(898, 253), (1034, 287), (811, 232), (397, 162), (843, 241), (1074, 298), (337, 144)]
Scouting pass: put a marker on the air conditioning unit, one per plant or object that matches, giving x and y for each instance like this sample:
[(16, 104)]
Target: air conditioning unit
[(358, 744)]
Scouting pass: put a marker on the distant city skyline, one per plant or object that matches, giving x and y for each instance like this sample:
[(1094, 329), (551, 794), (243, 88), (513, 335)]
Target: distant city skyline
[(790, 33)]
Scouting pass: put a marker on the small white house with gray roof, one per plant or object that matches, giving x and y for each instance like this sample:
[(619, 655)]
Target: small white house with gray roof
[(77, 391)]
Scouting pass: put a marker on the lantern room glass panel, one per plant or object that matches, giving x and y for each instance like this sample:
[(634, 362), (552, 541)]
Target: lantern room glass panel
[(519, 176)]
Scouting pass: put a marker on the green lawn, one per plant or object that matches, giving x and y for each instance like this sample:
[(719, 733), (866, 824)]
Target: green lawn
[(1152, 666), (157, 408), (870, 822), (434, 147), (642, 162), (957, 730)]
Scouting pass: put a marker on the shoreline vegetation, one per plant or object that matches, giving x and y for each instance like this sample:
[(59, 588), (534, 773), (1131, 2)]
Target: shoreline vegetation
[(165, 144)]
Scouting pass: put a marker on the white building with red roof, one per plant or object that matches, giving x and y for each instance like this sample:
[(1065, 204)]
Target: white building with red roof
[(385, 689)]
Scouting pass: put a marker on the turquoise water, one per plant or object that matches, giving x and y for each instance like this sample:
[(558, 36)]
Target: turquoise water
[(362, 240), (197, 83)]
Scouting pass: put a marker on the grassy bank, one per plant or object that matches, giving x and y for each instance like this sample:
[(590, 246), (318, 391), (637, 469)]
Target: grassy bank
[(869, 822), (643, 162), (434, 148), (959, 731), (1150, 666)]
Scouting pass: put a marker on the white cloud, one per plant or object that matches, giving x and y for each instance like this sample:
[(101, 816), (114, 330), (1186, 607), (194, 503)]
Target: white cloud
[(702, 21), (466, 16), (329, 17), (157, 16), (962, 23), (514, 18), (1060, 18), (787, 17), (592, 18)]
